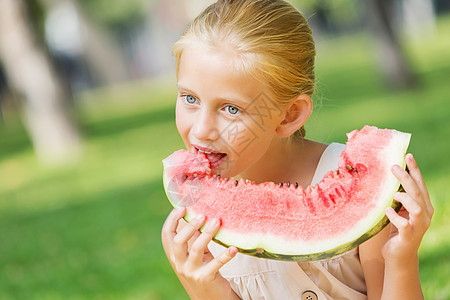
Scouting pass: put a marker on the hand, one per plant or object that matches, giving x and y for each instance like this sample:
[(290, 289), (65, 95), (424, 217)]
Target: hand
[(187, 251), (413, 220)]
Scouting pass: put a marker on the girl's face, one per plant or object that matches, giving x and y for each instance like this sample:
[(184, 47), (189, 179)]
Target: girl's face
[(225, 113)]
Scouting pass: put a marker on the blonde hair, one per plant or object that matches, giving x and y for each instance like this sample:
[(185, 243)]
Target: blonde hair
[(271, 39)]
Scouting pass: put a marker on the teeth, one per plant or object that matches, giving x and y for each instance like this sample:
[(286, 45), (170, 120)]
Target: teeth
[(204, 151)]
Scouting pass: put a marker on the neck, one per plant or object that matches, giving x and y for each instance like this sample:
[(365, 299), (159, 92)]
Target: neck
[(286, 160)]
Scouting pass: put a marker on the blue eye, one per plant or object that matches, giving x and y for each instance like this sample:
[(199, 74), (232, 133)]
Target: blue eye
[(232, 110), (190, 99)]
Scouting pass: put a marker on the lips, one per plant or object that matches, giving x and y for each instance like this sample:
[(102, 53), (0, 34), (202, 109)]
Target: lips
[(215, 158)]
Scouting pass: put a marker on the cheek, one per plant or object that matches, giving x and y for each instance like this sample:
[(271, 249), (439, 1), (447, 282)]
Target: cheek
[(181, 121), (258, 141), (179, 115), (184, 122)]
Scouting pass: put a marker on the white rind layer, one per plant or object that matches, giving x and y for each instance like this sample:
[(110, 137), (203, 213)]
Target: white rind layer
[(393, 154)]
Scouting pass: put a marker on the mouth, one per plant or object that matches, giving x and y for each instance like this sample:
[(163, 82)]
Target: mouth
[(215, 158)]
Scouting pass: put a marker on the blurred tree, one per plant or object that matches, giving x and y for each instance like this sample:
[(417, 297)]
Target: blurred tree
[(117, 16), (30, 71), (3, 87), (68, 23), (383, 18), (418, 18), (392, 59)]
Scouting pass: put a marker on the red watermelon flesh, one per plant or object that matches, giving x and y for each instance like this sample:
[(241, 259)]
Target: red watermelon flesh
[(285, 221)]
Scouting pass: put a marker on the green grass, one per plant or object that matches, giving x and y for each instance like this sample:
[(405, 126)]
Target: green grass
[(92, 230)]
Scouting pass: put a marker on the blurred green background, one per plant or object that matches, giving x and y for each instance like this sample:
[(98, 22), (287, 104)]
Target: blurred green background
[(91, 229)]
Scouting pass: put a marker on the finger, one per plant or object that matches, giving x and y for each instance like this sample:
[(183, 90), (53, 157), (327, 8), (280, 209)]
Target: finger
[(181, 224), (403, 226), (409, 184), (169, 229), (198, 247), (180, 241), (418, 178), (193, 239), (213, 266), (418, 215)]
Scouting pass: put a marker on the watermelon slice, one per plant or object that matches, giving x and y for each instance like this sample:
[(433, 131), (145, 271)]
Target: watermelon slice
[(285, 221)]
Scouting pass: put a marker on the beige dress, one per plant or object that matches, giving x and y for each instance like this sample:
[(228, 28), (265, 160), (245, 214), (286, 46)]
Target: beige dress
[(340, 277)]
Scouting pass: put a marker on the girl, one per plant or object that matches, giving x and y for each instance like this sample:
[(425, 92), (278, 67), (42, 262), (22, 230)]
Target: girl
[(245, 74)]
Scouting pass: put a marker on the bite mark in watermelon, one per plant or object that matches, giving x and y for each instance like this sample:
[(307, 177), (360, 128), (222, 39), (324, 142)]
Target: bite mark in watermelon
[(285, 221)]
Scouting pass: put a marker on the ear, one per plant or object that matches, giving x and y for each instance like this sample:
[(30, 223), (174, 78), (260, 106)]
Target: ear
[(297, 112)]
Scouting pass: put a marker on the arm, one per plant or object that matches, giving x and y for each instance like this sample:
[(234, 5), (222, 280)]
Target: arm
[(401, 280), (389, 277), (390, 262), (409, 226), (372, 262), (188, 254)]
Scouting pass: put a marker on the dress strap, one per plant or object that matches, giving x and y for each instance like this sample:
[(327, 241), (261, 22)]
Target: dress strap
[(328, 161)]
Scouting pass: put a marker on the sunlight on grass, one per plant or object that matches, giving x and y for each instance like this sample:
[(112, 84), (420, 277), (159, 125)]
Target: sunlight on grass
[(434, 255)]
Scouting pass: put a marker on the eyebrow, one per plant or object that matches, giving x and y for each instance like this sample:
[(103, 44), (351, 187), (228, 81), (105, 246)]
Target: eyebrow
[(180, 87)]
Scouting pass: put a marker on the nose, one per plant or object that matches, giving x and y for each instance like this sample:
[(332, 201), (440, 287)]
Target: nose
[(205, 126)]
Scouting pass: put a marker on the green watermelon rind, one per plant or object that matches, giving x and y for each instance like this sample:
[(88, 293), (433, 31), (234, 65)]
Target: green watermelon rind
[(381, 221)]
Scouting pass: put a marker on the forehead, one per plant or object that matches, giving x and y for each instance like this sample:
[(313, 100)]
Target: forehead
[(218, 70), (212, 54), (210, 76)]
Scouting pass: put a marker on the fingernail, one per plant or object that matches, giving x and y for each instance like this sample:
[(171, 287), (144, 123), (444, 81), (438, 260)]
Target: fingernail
[(233, 250), (199, 218), (396, 168), (214, 222)]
